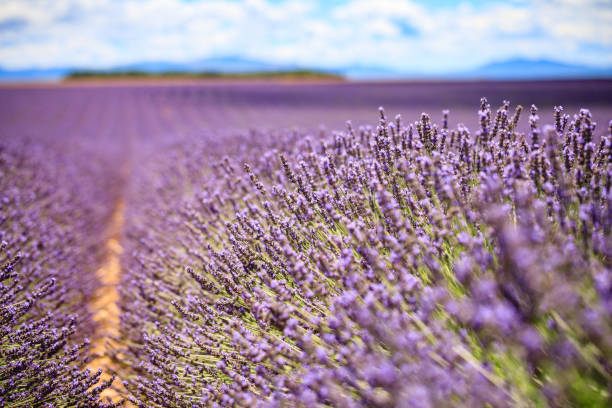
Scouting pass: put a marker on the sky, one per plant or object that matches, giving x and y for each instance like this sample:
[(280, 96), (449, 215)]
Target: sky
[(403, 35)]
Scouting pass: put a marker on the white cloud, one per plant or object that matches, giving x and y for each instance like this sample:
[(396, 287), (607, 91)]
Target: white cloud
[(401, 34)]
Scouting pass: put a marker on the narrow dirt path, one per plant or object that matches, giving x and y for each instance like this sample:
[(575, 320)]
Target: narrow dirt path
[(105, 306)]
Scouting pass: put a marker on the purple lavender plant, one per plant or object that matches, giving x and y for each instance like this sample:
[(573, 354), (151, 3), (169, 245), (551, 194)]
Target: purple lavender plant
[(406, 264), (50, 216)]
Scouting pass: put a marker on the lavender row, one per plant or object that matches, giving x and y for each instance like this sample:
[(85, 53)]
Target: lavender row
[(53, 209), (402, 264)]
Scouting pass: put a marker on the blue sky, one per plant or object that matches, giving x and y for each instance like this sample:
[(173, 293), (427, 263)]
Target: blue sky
[(403, 35)]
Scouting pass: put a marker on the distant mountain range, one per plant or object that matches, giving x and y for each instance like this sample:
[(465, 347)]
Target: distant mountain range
[(536, 69), (510, 69)]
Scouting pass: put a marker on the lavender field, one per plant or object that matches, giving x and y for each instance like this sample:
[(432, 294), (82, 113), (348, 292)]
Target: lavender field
[(341, 244)]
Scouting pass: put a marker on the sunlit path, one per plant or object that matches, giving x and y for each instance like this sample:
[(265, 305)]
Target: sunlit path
[(105, 307)]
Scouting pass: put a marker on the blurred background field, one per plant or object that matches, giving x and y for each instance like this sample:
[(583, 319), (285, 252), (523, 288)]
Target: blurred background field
[(124, 113), (283, 63)]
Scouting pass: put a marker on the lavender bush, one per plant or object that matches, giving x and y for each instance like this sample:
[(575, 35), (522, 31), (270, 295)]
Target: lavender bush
[(52, 217), (405, 264)]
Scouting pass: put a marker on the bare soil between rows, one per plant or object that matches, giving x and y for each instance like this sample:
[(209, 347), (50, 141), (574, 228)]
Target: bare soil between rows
[(104, 306)]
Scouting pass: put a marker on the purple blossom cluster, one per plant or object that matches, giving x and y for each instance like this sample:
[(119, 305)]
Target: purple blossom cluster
[(53, 209), (395, 265)]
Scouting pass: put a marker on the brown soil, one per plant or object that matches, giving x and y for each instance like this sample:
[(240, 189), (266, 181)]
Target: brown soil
[(105, 307)]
